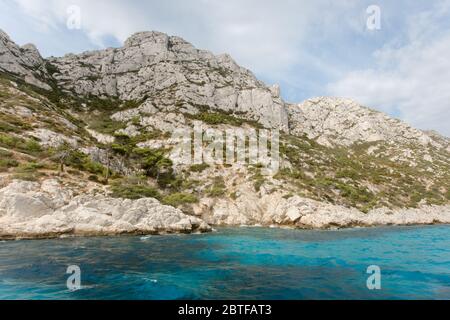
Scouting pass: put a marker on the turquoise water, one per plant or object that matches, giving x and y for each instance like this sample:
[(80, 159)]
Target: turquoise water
[(234, 263)]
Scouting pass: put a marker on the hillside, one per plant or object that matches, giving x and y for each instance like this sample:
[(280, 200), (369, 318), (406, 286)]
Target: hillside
[(99, 124)]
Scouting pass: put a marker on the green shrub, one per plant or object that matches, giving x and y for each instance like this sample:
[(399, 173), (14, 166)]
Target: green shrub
[(5, 154), (28, 171), (218, 118), (26, 176), (131, 104), (8, 140), (51, 68), (133, 189), (218, 188), (5, 164), (10, 123), (258, 178), (30, 167), (157, 165), (6, 127), (81, 161), (105, 125), (199, 167), (258, 184), (28, 146), (177, 199), (119, 149), (31, 147), (347, 173), (93, 178)]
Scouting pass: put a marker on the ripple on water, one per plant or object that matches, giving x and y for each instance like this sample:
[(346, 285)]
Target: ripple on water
[(234, 263)]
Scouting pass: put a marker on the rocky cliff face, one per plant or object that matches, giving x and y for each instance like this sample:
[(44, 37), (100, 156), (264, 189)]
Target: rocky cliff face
[(24, 61), (30, 210), (167, 74), (172, 75), (343, 121), (105, 118)]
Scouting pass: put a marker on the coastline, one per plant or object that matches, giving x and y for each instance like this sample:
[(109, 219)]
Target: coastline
[(32, 210), (216, 228)]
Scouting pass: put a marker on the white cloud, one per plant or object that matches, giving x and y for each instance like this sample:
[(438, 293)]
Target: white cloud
[(302, 44), (265, 36), (411, 80)]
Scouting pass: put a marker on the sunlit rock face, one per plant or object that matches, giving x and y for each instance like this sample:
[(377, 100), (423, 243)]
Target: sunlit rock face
[(345, 122), (48, 209), (169, 72), (25, 61)]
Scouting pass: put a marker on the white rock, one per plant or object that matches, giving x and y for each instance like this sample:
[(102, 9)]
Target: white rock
[(50, 138), (345, 122), (30, 210)]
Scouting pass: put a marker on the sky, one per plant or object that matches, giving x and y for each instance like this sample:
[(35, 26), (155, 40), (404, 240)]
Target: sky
[(400, 66)]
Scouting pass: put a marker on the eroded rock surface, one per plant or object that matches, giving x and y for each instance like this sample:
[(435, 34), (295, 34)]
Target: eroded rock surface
[(275, 209), (168, 71), (33, 210), (25, 61), (344, 122)]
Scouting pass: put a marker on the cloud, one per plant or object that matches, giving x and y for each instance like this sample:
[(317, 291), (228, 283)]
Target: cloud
[(410, 80), (267, 35), (311, 48)]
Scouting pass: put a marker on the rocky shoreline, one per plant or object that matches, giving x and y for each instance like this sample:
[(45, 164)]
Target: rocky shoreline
[(32, 210)]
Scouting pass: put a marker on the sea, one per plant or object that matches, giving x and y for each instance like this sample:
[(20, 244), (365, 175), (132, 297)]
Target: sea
[(233, 263)]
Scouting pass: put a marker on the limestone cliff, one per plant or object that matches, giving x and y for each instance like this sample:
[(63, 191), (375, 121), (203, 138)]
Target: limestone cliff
[(105, 118)]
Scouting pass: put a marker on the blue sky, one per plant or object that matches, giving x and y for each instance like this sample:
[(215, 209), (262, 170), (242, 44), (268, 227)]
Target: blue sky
[(311, 48)]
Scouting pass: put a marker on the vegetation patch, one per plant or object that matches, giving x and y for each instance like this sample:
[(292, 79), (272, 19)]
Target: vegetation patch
[(6, 161), (217, 118), (83, 162), (104, 124), (218, 188), (178, 199), (28, 146), (199, 167), (134, 187), (29, 171), (10, 123)]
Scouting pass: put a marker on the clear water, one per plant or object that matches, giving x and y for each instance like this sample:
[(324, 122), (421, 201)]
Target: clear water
[(234, 263)]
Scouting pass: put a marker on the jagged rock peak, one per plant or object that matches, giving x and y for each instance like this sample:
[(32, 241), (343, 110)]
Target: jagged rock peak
[(4, 35), (31, 48), (143, 37), (158, 42), (22, 61), (32, 54)]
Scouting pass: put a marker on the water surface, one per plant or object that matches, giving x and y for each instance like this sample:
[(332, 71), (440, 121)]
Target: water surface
[(234, 263)]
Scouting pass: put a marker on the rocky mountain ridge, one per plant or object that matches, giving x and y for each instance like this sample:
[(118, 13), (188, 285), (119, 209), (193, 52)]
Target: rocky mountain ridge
[(173, 75), (105, 117), (25, 61)]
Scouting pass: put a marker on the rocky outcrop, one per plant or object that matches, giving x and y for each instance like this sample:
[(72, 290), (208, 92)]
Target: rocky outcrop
[(174, 76), (30, 210), (275, 209), (24, 61), (344, 122), (33, 210), (170, 76), (48, 138), (168, 72)]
